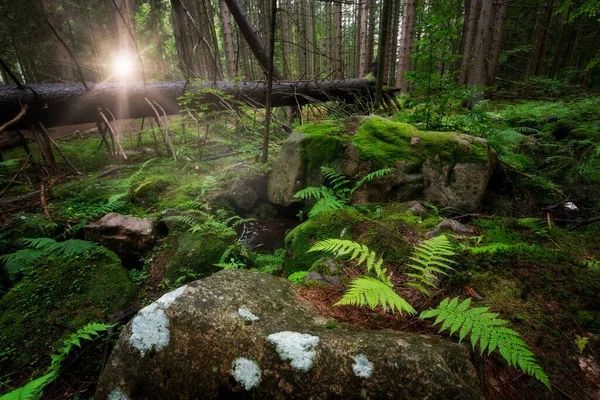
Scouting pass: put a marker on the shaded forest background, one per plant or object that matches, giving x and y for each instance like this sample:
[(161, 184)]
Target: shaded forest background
[(516, 45)]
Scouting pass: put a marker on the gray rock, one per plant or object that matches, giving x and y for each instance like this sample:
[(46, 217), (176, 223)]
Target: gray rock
[(130, 238), (319, 278), (205, 350), (287, 175), (243, 197), (460, 185), (454, 226), (417, 208)]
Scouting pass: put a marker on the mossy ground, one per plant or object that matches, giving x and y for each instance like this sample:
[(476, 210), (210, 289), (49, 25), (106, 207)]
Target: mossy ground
[(55, 298)]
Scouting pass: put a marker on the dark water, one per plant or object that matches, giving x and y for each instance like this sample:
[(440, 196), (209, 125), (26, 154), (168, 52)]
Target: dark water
[(265, 236)]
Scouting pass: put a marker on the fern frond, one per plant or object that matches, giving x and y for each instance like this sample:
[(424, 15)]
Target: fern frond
[(347, 247), (181, 220), (68, 248), (326, 204), (488, 331), (430, 258), (20, 261), (311, 193), (380, 173), (373, 292)]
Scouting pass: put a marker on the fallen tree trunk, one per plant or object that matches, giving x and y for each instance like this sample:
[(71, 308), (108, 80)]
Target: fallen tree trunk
[(69, 103)]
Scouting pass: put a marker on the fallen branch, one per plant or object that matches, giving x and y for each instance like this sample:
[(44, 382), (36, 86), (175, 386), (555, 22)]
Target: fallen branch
[(15, 119)]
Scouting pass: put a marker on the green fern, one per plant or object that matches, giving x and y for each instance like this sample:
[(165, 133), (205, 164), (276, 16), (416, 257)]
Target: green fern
[(380, 173), (487, 331), (20, 261), (372, 291), (38, 248), (33, 389), (430, 258), (270, 263)]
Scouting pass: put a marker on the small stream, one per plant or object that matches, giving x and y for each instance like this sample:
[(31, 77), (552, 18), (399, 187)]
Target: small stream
[(265, 236)]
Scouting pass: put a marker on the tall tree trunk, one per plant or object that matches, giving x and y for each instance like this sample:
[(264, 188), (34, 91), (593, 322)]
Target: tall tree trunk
[(383, 40), (363, 66), (540, 48), (337, 43), (496, 46), (393, 56), (372, 6), (97, 63), (182, 39), (478, 75), (559, 45), (64, 69), (156, 24), (227, 40), (287, 49), (408, 21), (329, 39), (468, 43), (256, 43)]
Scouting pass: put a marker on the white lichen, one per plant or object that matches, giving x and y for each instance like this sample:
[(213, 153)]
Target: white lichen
[(167, 299), (117, 394), (298, 348), (150, 327), (247, 315), (362, 367), (246, 372)]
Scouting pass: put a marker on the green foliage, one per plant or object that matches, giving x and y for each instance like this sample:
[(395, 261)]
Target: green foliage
[(430, 258), (338, 195), (298, 276), (369, 290), (38, 248), (487, 331), (33, 389), (581, 342), (198, 221)]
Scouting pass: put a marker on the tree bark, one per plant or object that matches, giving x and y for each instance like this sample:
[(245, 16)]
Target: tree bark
[(256, 43), (542, 41), (496, 46), (478, 75), (363, 63), (68, 104), (337, 42), (287, 50), (227, 40), (468, 44), (408, 21), (64, 67)]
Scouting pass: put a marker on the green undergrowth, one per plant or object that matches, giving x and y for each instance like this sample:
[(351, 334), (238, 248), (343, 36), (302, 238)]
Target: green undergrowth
[(385, 142), (44, 306)]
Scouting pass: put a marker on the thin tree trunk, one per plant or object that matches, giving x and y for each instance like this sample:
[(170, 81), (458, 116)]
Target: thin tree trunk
[(372, 7), (557, 53), (64, 69), (496, 46), (540, 48), (363, 66), (468, 43), (227, 40), (287, 50), (257, 45), (393, 56), (383, 36), (337, 43), (408, 21)]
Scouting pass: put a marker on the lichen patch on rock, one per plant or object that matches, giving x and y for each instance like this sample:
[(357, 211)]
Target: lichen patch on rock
[(118, 394), (246, 372), (149, 329), (247, 315), (298, 348), (167, 299), (362, 367)]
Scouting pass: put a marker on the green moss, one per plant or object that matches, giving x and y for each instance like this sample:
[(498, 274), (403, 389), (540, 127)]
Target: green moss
[(331, 224), (197, 253), (324, 142), (327, 225), (385, 142), (59, 296)]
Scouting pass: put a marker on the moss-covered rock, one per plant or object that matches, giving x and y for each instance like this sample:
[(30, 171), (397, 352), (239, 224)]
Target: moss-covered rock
[(54, 299), (446, 168), (345, 224), (197, 253)]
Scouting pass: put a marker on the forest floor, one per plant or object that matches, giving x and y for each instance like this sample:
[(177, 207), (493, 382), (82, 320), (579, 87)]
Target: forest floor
[(533, 254)]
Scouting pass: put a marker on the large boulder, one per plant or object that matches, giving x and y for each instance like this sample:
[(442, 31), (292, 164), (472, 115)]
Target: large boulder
[(243, 334), (55, 299), (130, 238), (449, 169)]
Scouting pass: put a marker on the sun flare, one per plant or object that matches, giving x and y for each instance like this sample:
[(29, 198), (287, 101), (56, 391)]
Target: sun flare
[(122, 65)]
